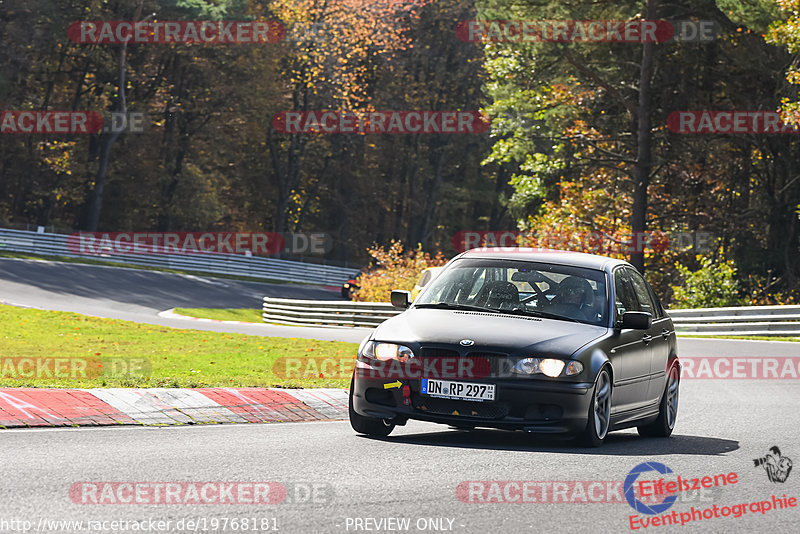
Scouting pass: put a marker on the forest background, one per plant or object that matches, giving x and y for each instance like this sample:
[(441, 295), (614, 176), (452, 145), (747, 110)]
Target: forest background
[(579, 142)]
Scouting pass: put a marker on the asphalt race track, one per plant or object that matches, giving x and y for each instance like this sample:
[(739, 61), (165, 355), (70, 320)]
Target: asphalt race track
[(139, 295), (722, 426), (414, 475)]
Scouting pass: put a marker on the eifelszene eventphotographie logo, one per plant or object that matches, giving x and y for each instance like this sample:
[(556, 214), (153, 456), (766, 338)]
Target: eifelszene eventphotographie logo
[(777, 466)]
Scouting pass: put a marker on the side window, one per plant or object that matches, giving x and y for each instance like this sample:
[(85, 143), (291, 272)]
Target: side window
[(659, 308), (625, 298), (642, 293)]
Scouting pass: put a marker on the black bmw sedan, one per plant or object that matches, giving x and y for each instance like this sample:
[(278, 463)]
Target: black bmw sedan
[(547, 342)]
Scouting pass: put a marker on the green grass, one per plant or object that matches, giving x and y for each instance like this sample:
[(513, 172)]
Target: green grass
[(90, 261), (172, 357), (232, 314), (755, 338)]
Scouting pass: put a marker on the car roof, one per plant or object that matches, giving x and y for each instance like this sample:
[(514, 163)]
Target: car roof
[(558, 257)]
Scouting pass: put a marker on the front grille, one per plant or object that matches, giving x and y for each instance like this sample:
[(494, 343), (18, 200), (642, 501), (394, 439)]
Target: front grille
[(485, 365), (496, 361), (482, 410), (432, 352)]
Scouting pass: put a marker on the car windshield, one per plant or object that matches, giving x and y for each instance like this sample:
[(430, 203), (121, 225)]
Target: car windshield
[(505, 286)]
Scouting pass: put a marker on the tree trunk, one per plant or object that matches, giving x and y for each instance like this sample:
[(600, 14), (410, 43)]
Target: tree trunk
[(424, 228), (108, 139), (641, 173), (287, 179), (498, 210)]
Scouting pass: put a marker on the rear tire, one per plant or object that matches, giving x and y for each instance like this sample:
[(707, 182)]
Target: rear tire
[(370, 426), (599, 416), (668, 410)]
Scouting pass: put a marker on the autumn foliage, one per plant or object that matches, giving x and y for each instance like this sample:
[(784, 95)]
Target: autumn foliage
[(394, 268)]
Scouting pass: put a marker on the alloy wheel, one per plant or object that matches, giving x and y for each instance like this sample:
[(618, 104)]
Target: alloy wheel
[(602, 404), (672, 397)]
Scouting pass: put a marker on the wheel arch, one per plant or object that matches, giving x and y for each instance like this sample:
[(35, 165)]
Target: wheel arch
[(597, 361)]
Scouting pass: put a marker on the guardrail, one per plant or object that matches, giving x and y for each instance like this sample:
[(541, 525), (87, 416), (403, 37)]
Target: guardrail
[(742, 321), (326, 313), (738, 321), (203, 262)]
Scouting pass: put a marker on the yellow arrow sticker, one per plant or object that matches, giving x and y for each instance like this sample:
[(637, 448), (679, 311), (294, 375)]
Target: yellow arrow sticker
[(392, 385)]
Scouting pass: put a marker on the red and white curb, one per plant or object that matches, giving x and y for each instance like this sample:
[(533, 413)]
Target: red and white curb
[(31, 407)]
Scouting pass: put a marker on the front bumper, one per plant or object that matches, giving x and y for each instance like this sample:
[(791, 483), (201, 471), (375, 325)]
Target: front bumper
[(533, 405)]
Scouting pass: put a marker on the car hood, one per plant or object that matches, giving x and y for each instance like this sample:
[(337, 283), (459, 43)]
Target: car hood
[(489, 331)]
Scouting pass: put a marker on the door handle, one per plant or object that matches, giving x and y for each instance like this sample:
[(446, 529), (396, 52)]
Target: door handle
[(665, 333), (647, 338)]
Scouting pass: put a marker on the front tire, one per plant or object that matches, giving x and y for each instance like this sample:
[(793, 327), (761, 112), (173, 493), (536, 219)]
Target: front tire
[(370, 426), (668, 410), (599, 416)]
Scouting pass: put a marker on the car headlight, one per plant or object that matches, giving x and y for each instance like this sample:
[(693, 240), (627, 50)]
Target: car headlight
[(573, 368), (387, 351), (551, 367), (547, 366)]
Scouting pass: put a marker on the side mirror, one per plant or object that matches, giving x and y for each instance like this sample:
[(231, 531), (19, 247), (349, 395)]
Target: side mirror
[(637, 320), (401, 299)]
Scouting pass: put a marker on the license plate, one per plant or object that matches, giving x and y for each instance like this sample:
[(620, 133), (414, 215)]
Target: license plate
[(447, 389)]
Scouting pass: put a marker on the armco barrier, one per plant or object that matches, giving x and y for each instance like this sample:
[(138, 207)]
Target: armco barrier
[(738, 321), (211, 263), (326, 313), (743, 321)]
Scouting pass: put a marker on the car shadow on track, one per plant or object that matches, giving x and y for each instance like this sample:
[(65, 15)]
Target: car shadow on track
[(623, 444)]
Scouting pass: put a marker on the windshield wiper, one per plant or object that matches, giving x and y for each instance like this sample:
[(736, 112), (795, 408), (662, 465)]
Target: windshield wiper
[(538, 313), (454, 306)]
